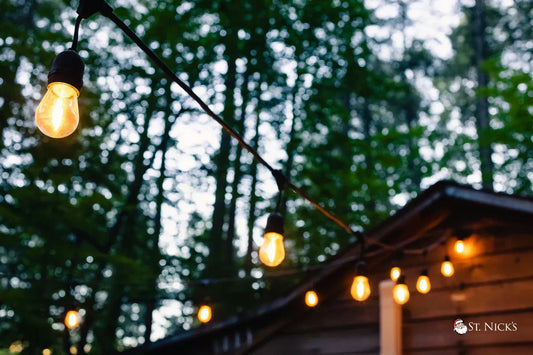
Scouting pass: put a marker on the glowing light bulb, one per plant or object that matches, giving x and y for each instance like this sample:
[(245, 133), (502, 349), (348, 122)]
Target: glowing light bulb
[(446, 267), (47, 351), (57, 115), (459, 246), (395, 273), (360, 288), (205, 314), (16, 347), (272, 252), (72, 319), (311, 298), (400, 293), (422, 283)]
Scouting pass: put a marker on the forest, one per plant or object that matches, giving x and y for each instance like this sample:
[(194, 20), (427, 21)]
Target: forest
[(150, 209)]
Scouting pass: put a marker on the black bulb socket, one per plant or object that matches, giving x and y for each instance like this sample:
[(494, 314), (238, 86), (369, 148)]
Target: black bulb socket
[(67, 67), (274, 224), (87, 8), (401, 280), (361, 269)]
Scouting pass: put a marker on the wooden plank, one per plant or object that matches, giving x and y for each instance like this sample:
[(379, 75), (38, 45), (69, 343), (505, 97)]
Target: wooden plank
[(433, 334), (475, 245), (507, 296), (515, 349), (478, 269), (338, 315), (363, 340), (518, 349)]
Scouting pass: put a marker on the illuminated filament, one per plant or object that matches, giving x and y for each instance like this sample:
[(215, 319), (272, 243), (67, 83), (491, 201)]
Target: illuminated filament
[(204, 314), (401, 293), (311, 298), (57, 115), (459, 247), (395, 273), (272, 252), (446, 268), (422, 284), (360, 290), (72, 319)]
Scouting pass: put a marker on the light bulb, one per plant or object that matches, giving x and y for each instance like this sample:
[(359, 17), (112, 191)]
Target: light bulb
[(57, 115), (204, 314), (422, 284), (311, 298), (400, 293), (360, 288), (395, 273), (272, 252), (72, 319), (446, 267), (459, 246)]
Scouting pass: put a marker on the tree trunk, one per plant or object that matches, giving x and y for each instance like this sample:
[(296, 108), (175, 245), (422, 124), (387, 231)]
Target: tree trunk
[(150, 305), (230, 248), (105, 336), (410, 110), (253, 197), (482, 104), (370, 204), (222, 163), (291, 144)]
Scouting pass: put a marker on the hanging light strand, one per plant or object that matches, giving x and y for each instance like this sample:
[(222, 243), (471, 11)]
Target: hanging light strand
[(278, 175), (88, 8)]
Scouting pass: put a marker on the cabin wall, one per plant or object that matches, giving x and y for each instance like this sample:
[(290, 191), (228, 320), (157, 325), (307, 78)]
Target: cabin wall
[(492, 284)]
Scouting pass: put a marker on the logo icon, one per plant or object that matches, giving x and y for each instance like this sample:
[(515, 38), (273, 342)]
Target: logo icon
[(459, 326)]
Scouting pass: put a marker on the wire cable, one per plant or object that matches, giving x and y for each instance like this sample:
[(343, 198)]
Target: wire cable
[(278, 175), (74, 46)]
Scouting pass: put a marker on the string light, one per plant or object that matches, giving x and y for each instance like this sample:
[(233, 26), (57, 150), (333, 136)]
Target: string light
[(57, 115), (400, 293), (459, 246), (311, 298), (69, 70), (360, 289), (205, 314), (446, 267), (16, 347), (395, 273), (72, 319), (423, 285), (272, 252)]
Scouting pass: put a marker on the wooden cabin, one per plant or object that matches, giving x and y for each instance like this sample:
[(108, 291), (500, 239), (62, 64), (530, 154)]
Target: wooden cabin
[(491, 290)]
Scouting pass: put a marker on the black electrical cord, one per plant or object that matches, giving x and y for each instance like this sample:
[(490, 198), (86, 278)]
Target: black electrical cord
[(74, 46), (278, 175), (89, 7)]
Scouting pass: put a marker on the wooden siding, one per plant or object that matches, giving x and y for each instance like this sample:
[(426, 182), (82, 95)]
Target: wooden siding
[(493, 283)]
